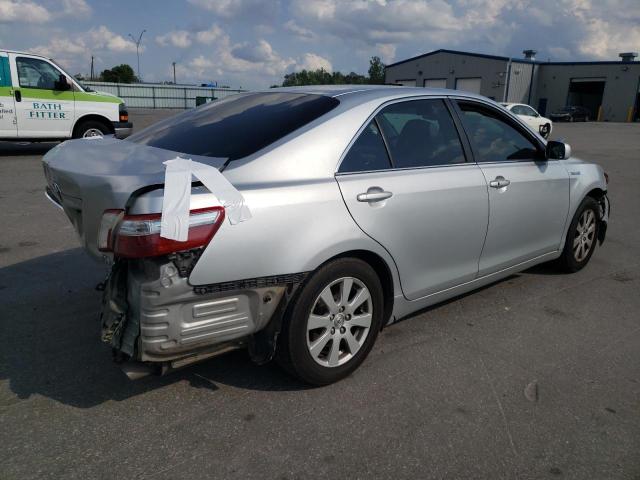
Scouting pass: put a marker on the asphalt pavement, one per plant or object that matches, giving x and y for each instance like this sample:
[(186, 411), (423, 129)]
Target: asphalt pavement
[(534, 377)]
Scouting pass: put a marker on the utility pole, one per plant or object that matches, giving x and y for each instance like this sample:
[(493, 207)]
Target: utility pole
[(137, 42), (91, 77), (174, 72)]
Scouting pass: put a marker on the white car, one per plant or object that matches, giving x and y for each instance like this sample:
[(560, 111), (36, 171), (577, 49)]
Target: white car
[(533, 119)]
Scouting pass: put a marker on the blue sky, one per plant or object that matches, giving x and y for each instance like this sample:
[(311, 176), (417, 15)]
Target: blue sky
[(252, 43)]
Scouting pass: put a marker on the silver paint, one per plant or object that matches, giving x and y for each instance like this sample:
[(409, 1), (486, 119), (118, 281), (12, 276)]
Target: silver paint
[(442, 232)]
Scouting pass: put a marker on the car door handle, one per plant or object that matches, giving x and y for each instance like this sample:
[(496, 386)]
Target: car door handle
[(374, 195), (499, 182)]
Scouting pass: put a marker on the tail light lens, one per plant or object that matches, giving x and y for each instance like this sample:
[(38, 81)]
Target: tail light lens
[(138, 236), (123, 113), (606, 178)]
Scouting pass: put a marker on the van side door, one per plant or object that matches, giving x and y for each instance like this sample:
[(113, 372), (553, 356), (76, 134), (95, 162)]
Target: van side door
[(8, 127), (44, 110)]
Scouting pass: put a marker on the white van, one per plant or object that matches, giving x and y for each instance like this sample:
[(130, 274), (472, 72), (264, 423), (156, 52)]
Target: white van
[(40, 101)]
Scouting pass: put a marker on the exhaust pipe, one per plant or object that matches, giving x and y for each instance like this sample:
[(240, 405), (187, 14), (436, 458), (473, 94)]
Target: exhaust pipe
[(137, 370)]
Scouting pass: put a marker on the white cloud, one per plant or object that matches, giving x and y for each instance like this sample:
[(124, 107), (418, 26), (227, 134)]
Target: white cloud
[(312, 61), (207, 37), (304, 33), (103, 38), (559, 53), (387, 51), (255, 9), (59, 46), (23, 12), (176, 38), (606, 29), (75, 8)]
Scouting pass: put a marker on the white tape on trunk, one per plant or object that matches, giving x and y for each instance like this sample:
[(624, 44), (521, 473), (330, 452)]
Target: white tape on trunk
[(177, 196)]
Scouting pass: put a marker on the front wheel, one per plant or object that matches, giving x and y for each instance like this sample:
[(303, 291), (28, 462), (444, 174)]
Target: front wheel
[(333, 323), (582, 237), (90, 128)]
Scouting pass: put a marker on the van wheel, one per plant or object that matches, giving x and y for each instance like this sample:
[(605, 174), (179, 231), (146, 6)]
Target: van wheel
[(581, 237), (333, 323), (90, 128)]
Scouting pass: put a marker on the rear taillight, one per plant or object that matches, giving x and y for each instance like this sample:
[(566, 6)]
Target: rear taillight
[(124, 117), (606, 178), (138, 236)]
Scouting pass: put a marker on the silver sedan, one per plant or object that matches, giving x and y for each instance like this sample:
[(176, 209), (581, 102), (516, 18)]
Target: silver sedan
[(366, 204)]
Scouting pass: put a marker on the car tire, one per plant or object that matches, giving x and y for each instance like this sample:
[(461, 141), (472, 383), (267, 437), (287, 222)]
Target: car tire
[(321, 343), (582, 237), (90, 128)]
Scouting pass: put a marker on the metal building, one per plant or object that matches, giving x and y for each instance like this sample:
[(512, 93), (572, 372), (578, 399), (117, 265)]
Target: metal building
[(609, 89)]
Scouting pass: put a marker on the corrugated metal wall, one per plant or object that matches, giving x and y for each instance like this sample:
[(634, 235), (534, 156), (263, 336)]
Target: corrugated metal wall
[(520, 80), (147, 95)]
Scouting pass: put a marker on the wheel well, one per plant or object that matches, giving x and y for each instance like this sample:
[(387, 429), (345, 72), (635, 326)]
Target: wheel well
[(382, 270), (95, 118), (596, 193)]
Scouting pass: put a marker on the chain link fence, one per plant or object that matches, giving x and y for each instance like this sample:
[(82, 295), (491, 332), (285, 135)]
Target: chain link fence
[(150, 95)]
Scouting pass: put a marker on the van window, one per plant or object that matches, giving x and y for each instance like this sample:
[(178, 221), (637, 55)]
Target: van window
[(237, 126), (35, 73), (420, 133), (5, 73), (367, 152)]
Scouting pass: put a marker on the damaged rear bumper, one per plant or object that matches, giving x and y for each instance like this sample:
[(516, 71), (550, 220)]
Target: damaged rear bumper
[(151, 314)]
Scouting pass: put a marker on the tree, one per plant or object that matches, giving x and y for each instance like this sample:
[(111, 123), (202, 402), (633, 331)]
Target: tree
[(322, 77), (119, 74), (376, 71)]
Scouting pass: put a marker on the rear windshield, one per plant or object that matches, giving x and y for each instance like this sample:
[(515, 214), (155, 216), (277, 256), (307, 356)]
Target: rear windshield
[(236, 126)]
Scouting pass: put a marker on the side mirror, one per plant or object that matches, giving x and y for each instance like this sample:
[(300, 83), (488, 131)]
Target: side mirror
[(558, 150), (62, 83)]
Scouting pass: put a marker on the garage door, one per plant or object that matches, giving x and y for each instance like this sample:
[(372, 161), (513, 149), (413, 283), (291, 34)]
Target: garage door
[(435, 83), (406, 83), (587, 93), (469, 84)]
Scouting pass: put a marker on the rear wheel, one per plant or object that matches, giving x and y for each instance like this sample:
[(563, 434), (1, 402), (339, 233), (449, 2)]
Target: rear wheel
[(581, 237), (90, 128), (333, 323)]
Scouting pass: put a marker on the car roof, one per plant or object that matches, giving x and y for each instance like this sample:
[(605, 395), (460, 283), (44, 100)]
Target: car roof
[(357, 94)]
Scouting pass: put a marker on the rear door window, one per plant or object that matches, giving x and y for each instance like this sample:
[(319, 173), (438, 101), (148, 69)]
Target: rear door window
[(420, 133), (367, 153), (237, 126)]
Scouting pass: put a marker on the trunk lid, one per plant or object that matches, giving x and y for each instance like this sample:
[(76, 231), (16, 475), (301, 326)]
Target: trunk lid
[(88, 176)]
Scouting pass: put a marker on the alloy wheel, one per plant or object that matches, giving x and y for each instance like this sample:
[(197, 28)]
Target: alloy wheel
[(585, 235), (92, 132), (339, 322)]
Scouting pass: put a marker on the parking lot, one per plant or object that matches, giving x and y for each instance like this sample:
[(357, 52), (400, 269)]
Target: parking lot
[(536, 376)]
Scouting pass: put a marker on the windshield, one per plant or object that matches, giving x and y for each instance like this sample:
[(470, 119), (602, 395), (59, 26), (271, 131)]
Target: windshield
[(236, 126)]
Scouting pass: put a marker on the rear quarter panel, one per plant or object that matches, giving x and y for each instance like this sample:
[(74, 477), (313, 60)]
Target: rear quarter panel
[(294, 228)]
